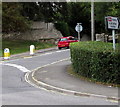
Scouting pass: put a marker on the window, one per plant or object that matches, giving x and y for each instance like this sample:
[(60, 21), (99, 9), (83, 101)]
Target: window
[(71, 38), (63, 39)]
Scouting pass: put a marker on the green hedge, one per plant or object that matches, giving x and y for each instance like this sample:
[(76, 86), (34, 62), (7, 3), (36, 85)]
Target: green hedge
[(96, 60)]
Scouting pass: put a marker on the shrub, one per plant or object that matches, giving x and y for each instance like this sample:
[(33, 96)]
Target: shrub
[(96, 60), (63, 28)]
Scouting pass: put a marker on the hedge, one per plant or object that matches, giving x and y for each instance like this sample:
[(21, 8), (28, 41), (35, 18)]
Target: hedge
[(96, 60)]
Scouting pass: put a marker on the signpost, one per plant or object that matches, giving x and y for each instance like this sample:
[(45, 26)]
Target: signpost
[(79, 28), (112, 23)]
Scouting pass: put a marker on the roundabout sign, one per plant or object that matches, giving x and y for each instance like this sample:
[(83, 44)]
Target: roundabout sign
[(79, 28)]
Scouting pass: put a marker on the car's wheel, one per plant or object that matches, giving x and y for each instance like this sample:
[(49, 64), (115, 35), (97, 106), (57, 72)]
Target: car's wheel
[(68, 47), (59, 48)]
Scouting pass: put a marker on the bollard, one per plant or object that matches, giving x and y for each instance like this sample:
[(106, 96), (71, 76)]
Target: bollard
[(6, 53), (32, 49)]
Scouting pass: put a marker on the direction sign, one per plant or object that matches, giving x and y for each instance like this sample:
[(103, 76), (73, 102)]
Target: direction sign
[(112, 22)]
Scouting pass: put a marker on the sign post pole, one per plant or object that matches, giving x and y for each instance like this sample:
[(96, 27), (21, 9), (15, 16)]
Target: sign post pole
[(113, 36), (79, 36)]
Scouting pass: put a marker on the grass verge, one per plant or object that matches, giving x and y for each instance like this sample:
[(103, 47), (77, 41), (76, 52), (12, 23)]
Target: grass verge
[(71, 72), (20, 46)]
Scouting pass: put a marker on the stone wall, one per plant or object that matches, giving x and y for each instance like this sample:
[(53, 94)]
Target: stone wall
[(39, 31)]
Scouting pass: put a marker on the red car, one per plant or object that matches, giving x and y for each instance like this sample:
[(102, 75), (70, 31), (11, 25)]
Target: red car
[(65, 41)]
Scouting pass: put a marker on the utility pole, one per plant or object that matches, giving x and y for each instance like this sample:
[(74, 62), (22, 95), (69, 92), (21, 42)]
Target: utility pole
[(92, 20)]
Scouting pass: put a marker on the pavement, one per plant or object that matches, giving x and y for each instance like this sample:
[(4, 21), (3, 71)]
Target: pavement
[(56, 78)]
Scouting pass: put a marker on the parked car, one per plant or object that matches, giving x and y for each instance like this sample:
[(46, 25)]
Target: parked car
[(64, 42)]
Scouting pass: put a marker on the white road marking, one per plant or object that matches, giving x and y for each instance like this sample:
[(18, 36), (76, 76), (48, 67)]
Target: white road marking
[(113, 101), (43, 71), (21, 68), (27, 57)]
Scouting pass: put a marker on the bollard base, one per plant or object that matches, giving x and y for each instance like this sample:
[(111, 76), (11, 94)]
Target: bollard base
[(6, 58), (32, 54)]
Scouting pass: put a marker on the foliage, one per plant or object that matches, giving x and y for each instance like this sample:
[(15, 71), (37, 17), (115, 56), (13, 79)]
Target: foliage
[(46, 9), (30, 10), (102, 10), (96, 60), (20, 46), (12, 20), (80, 13), (63, 27), (16, 14)]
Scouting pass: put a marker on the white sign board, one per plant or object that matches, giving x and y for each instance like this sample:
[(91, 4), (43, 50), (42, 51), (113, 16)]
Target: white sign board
[(113, 22), (78, 28)]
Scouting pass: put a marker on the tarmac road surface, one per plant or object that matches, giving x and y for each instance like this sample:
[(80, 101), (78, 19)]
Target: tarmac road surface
[(16, 91)]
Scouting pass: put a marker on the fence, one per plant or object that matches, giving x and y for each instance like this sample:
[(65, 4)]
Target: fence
[(105, 38)]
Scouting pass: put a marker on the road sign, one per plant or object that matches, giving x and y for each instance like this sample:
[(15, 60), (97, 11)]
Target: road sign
[(6, 53), (78, 27), (119, 23), (112, 22)]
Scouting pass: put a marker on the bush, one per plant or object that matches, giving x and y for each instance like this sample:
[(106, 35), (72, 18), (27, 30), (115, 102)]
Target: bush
[(63, 28), (96, 60)]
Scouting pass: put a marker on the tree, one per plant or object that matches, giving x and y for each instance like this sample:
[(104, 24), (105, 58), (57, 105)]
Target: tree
[(16, 15), (12, 19), (30, 10), (105, 9), (46, 8), (80, 13)]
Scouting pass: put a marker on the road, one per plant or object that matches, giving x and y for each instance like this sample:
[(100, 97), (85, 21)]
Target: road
[(16, 91)]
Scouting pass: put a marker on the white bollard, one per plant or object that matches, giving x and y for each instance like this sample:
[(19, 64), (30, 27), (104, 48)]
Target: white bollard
[(6, 53), (32, 49)]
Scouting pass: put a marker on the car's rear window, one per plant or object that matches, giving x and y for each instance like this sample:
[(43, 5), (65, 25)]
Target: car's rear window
[(63, 39)]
